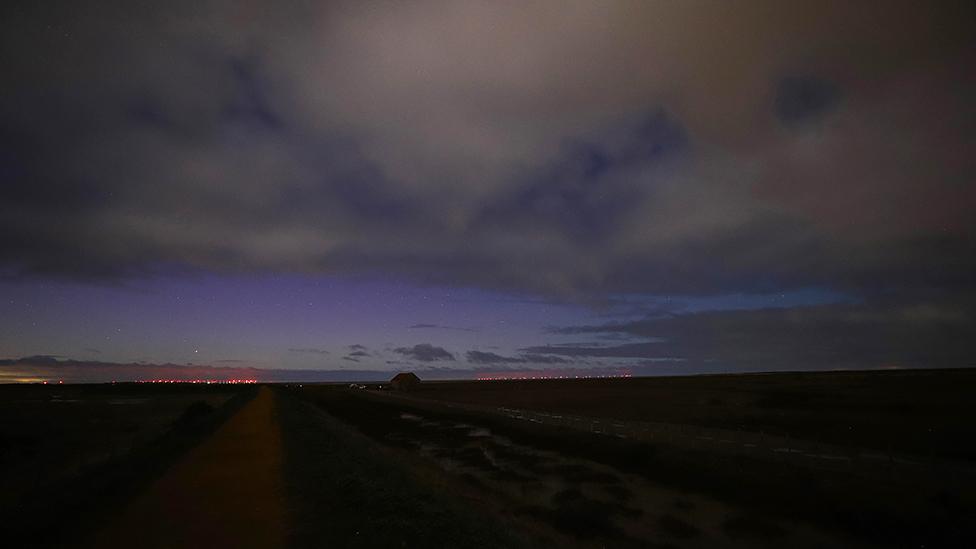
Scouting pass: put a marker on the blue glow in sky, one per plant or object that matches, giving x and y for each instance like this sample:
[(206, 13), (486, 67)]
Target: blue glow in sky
[(518, 185), (270, 321), (304, 322)]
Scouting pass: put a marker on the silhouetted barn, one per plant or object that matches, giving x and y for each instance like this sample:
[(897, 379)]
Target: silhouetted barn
[(405, 381)]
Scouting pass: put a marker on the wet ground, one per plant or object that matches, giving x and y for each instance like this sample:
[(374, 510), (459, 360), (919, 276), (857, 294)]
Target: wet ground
[(589, 503)]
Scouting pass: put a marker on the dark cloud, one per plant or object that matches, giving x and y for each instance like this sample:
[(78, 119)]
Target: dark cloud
[(41, 368), (440, 327), (800, 101), (580, 195), (922, 334), (629, 350), (636, 156), (45, 368), (483, 357), (357, 353), (34, 359), (425, 352), (543, 359), (309, 351)]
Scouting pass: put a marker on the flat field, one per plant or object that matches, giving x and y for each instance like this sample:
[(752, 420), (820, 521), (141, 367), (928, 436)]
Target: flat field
[(923, 412), (754, 460), (67, 451), (852, 459)]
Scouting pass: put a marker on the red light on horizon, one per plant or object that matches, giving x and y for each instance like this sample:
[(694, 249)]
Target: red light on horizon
[(519, 377), (201, 381)]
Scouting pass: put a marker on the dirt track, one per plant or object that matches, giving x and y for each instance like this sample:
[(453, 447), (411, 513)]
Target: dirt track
[(281, 473), (225, 493)]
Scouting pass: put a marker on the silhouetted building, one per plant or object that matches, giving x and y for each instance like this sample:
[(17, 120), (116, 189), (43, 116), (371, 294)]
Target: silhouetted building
[(405, 381)]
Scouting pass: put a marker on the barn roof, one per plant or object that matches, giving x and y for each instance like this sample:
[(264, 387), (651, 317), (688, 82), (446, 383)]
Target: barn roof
[(405, 376)]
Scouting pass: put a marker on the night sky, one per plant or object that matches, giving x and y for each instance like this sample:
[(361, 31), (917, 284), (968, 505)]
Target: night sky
[(469, 189)]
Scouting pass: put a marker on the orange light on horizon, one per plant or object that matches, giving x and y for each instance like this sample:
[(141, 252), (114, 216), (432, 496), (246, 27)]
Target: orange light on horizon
[(502, 377), (201, 381)]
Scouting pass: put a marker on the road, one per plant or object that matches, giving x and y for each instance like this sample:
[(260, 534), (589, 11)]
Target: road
[(227, 492)]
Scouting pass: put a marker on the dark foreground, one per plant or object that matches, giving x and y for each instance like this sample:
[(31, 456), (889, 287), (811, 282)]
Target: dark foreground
[(881, 459)]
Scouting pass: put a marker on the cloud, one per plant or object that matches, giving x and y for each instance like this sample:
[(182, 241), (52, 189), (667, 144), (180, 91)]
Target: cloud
[(425, 352), (575, 150), (440, 327), (483, 357), (357, 352), (34, 359), (309, 350), (46, 368), (800, 101), (543, 359), (628, 350), (355, 356), (921, 334)]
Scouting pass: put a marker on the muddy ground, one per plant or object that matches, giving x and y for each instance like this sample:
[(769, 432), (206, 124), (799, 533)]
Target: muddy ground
[(698, 486)]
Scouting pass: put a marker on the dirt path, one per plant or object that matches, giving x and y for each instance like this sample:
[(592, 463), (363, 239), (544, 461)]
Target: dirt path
[(225, 493)]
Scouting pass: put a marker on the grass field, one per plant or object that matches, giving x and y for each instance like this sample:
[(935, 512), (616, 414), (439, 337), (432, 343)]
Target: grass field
[(923, 412), (71, 454), (512, 440), (778, 460), (345, 491)]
